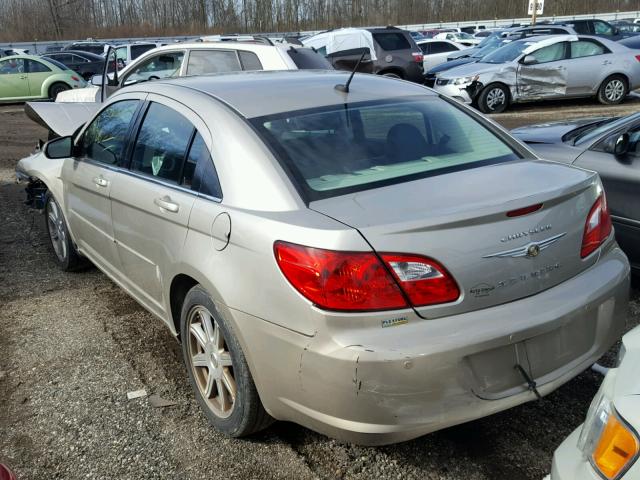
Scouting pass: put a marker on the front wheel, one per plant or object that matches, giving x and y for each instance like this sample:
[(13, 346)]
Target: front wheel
[(65, 251), (613, 90), (218, 370), (493, 99), (56, 88)]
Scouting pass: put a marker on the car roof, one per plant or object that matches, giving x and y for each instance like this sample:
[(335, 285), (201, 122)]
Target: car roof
[(28, 57), (254, 94), (82, 53)]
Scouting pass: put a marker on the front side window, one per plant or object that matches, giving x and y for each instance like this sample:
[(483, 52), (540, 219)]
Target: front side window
[(442, 47), (338, 150), (212, 61), (166, 64), (12, 66), (552, 53), (391, 41), (586, 48), (36, 67), (121, 53), (582, 28), (162, 143), (105, 139), (137, 50), (602, 28)]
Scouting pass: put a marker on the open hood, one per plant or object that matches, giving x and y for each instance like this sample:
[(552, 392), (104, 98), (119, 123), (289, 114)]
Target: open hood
[(61, 118)]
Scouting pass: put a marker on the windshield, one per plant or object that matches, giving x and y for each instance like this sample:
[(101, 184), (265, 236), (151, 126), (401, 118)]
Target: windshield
[(595, 130), (345, 148), (508, 53), (464, 35), (487, 49)]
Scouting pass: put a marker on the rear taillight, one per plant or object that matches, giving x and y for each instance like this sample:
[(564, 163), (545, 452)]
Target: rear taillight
[(74, 78), (638, 58), (597, 227), (358, 281), (418, 57)]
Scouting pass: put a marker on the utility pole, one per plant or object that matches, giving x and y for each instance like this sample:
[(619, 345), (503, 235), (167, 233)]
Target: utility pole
[(535, 12)]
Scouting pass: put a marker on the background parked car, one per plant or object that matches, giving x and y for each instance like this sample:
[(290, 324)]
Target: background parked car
[(187, 59), (462, 38), (99, 48), (129, 52), (611, 147), (392, 51), (27, 77), (85, 63), (436, 51), (558, 66), (607, 444)]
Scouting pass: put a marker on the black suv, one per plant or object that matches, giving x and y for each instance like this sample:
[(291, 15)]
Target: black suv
[(397, 55)]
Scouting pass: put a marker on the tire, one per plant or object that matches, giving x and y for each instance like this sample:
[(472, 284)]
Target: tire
[(64, 250), (56, 88), (613, 90), (494, 98), (209, 345)]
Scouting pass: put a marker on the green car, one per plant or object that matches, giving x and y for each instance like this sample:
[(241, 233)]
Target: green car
[(27, 77)]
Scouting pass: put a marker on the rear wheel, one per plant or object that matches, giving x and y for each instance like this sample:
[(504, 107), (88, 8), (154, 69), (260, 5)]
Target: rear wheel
[(56, 88), (613, 90), (493, 99), (63, 248), (392, 75), (218, 370)]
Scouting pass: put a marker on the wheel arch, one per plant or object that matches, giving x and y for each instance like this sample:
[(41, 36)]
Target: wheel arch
[(624, 75), (46, 85), (394, 70)]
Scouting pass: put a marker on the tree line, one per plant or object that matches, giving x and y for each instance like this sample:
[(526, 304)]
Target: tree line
[(31, 20)]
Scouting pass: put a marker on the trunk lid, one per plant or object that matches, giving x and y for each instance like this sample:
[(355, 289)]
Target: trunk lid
[(459, 219)]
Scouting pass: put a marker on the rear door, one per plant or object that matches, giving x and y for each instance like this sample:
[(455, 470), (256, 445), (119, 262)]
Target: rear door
[(548, 77), (14, 82), (150, 202), (588, 58), (88, 180)]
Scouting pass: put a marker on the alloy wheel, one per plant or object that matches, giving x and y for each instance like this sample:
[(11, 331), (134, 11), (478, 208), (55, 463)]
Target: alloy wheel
[(210, 361), (614, 90), (495, 98), (57, 231)]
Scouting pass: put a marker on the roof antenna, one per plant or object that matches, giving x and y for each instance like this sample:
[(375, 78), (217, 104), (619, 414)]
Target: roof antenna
[(345, 88)]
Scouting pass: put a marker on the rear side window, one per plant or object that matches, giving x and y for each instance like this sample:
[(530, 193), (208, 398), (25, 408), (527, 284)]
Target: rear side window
[(582, 27), (337, 150), (137, 50), (212, 61), (249, 60), (105, 139), (442, 47), (199, 172), (586, 48), (392, 41), (307, 59), (162, 143), (37, 67)]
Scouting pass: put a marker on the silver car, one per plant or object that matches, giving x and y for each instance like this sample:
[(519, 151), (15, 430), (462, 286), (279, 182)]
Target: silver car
[(369, 260), (545, 68)]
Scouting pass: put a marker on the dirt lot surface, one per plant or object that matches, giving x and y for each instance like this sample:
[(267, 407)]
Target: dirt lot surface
[(73, 345)]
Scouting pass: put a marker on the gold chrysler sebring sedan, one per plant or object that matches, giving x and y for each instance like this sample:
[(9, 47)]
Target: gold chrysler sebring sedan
[(363, 257)]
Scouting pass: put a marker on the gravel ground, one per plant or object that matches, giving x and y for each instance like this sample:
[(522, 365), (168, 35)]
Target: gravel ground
[(73, 344)]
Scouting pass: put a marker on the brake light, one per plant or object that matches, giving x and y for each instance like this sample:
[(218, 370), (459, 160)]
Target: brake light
[(597, 227), (524, 211), (418, 57), (74, 78), (638, 58), (358, 281)]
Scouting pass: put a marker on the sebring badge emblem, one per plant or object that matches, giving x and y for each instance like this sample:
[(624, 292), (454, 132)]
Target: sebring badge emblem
[(530, 250)]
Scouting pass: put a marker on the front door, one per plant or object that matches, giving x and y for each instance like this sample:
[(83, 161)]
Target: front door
[(13, 79), (89, 179), (547, 78), (150, 203)]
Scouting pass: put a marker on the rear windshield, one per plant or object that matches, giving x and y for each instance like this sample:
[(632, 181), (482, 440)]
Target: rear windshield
[(351, 147), (307, 59), (392, 41), (58, 64)]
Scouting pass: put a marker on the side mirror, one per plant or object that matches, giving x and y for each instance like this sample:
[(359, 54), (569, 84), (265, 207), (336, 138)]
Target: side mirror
[(616, 31), (617, 145), (529, 60), (96, 80), (59, 148)]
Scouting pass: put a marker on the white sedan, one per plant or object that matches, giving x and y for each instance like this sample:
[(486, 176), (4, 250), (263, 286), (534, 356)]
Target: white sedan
[(436, 51), (459, 37), (607, 445)]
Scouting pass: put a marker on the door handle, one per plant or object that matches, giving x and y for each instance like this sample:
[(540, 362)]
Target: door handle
[(166, 204), (101, 182)]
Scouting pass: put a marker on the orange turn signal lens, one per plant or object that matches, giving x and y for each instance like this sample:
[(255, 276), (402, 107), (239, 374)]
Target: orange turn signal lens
[(616, 448)]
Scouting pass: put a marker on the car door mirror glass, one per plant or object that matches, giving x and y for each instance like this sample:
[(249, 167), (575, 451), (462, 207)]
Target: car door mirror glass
[(529, 60), (96, 80), (617, 145), (59, 148)]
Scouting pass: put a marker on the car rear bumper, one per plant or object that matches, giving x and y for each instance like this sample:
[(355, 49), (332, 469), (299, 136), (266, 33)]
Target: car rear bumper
[(394, 384)]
